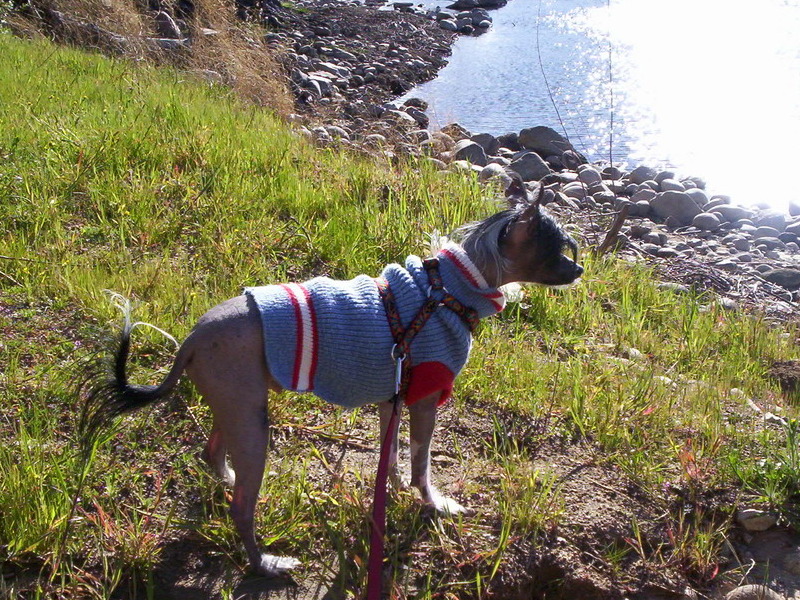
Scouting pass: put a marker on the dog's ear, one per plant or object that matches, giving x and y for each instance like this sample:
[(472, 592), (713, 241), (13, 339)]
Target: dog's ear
[(516, 192), (531, 213)]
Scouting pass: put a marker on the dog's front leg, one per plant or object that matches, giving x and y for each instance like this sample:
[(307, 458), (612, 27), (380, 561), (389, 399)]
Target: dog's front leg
[(422, 423), (385, 410)]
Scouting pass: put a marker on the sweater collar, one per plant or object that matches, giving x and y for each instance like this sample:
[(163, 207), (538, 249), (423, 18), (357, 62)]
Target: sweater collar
[(464, 281)]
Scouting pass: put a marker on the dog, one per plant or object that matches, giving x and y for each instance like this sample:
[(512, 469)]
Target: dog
[(332, 338)]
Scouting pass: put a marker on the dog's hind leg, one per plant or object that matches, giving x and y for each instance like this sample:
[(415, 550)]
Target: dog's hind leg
[(248, 452), (229, 371), (214, 454), (422, 423)]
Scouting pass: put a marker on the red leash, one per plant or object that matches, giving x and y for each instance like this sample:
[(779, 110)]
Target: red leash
[(400, 352), (375, 564)]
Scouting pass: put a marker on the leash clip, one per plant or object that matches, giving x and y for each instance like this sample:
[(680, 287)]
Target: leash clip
[(398, 356)]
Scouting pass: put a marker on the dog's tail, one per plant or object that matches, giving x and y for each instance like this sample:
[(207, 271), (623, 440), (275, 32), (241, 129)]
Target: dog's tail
[(106, 389)]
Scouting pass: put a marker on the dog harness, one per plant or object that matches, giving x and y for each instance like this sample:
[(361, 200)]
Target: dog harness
[(332, 337)]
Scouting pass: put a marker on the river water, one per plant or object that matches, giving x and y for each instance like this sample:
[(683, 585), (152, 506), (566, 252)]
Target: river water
[(706, 87)]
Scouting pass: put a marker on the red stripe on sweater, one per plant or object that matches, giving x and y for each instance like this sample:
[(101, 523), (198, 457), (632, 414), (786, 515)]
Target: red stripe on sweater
[(298, 349), (314, 339), (495, 298)]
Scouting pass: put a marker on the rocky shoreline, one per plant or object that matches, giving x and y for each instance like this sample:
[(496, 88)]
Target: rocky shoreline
[(748, 255)]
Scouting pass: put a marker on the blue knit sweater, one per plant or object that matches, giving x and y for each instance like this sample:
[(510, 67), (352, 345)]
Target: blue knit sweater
[(332, 337)]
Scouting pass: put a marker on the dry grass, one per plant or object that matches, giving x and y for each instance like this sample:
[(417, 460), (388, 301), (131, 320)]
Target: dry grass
[(220, 48)]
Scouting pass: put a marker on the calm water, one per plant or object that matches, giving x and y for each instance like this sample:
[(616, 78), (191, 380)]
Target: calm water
[(707, 87)]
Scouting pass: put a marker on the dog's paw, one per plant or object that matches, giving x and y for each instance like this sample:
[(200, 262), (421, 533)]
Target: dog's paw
[(442, 504), (275, 566), (448, 506)]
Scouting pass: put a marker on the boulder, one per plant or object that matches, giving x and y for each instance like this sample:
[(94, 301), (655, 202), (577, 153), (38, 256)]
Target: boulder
[(786, 278), (646, 194), (575, 190), (753, 592), (589, 175), (774, 219), (641, 174), (530, 166), (487, 141), (699, 196), (677, 207), (732, 213), (166, 26), (765, 232), (510, 141), (670, 184), (793, 228), (470, 151), (495, 171), (543, 140), (706, 221), (456, 131)]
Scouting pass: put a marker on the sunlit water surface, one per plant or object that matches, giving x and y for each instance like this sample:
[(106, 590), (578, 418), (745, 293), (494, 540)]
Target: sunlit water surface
[(706, 87)]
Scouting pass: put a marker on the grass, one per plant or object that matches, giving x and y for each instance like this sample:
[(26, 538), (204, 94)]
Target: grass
[(118, 176)]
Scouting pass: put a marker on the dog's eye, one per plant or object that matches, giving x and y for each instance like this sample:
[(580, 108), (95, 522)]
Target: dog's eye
[(572, 246)]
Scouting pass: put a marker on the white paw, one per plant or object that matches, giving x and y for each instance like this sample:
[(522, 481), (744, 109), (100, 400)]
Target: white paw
[(442, 504), (276, 566), (448, 506)]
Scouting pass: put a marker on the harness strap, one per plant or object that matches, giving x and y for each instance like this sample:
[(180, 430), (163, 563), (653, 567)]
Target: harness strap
[(400, 353)]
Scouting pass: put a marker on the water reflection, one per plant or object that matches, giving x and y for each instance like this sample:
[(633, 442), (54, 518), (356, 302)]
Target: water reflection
[(710, 87)]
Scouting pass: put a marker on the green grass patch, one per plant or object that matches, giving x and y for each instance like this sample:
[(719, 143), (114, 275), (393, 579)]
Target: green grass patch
[(118, 176)]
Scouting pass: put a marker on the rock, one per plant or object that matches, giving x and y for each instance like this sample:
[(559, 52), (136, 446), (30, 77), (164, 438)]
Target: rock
[(699, 196), (769, 243), (793, 228), (787, 278), (492, 171), (765, 232), (510, 141), (706, 221), (448, 25), (543, 140), (575, 190), (589, 175), (487, 141), (420, 117), (671, 286), (794, 208), (667, 253), (443, 140), (641, 174), (753, 592), (530, 166), (671, 185), (470, 151), (655, 237), (677, 206), (639, 209), (456, 131), (166, 27), (662, 175), (401, 117), (776, 220), (732, 213), (646, 194)]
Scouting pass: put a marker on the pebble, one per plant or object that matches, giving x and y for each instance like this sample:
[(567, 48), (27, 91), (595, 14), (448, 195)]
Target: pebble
[(753, 519), (753, 592)]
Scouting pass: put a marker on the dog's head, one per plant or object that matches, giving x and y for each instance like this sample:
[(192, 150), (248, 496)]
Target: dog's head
[(533, 244)]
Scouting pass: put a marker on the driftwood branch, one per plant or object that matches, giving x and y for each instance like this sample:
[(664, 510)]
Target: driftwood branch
[(613, 233)]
